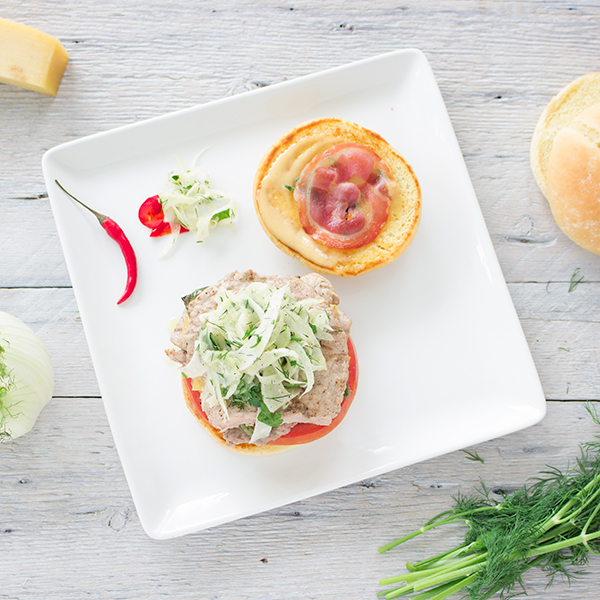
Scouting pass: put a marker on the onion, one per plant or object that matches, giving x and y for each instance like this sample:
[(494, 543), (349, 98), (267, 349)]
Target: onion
[(26, 377)]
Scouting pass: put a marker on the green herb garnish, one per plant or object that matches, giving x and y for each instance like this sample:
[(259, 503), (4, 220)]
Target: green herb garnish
[(473, 456), (288, 187), (552, 524), (247, 429), (222, 215), (251, 395), (192, 296), (574, 282)]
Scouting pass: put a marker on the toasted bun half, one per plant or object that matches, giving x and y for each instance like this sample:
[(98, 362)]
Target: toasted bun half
[(215, 434), (565, 159), (278, 212)]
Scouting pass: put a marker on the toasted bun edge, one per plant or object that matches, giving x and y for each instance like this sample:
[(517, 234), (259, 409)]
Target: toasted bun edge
[(385, 248)]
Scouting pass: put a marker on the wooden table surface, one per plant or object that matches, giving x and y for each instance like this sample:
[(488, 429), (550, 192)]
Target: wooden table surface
[(68, 526)]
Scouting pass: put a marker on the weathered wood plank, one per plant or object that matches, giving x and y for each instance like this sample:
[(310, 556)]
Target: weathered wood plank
[(68, 527), (489, 82), (62, 486), (53, 315), (561, 327)]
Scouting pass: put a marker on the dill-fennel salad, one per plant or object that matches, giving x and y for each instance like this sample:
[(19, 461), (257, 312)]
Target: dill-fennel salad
[(264, 358), (188, 202)]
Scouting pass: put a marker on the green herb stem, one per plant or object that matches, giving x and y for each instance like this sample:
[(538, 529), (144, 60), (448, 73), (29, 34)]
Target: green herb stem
[(553, 524), (583, 538), (433, 572)]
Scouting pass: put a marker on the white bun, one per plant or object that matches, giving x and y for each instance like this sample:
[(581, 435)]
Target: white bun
[(565, 158)]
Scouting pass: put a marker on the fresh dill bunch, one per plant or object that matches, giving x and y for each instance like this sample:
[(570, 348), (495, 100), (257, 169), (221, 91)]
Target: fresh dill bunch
[(552, 524)]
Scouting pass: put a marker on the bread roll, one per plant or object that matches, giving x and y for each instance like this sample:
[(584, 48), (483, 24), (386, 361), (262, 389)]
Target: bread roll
[(565, 159), (278, 211)]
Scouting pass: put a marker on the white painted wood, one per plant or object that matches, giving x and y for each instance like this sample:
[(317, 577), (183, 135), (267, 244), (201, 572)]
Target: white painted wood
[(68, 528)]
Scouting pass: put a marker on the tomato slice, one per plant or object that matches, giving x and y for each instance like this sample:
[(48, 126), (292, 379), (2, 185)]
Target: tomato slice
[(302, 433), (195, 395)]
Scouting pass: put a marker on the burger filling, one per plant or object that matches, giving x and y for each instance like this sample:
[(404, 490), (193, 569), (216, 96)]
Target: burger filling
[(265, 353)]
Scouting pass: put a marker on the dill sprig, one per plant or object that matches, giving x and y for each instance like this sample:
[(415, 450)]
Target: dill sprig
[(574, 282), (473, 456), (553, 524)]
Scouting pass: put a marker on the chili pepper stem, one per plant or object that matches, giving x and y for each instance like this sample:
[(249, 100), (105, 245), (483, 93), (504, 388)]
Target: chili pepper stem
[(101, 218)]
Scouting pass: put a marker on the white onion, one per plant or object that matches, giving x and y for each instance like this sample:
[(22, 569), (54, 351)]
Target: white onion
[(29, 380)]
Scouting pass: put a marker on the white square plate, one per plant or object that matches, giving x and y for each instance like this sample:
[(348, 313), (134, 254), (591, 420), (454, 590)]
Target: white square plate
[(442, 358)]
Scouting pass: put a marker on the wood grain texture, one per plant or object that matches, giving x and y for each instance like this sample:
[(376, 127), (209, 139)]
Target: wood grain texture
[(68, 527), (71, 531)]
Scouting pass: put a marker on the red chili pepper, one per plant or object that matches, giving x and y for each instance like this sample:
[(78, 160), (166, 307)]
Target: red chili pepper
[(151, 213), (117, 234), (152, 216), (163, 229)]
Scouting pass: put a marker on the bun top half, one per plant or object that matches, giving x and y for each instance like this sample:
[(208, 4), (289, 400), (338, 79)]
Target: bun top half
[(565, 159), (278, 211)]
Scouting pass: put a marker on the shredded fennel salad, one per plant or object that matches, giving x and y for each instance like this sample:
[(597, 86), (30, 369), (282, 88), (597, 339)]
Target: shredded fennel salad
[(189, 201), (259, 347)]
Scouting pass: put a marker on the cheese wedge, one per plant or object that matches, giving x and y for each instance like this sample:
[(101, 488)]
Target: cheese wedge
[(30, 58)]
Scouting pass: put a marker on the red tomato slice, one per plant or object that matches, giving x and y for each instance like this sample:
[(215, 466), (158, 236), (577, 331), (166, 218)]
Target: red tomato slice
[(195, 395), (302, 433)]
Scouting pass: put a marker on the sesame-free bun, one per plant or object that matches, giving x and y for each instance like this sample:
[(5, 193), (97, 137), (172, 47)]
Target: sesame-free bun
[(214, 433), (565, 159), (278, 213)]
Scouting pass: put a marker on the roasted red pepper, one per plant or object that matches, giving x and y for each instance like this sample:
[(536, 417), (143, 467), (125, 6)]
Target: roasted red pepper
[(117, 234)]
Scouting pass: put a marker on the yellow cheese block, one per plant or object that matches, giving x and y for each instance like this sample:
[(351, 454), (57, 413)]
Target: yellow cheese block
[(30, 58)]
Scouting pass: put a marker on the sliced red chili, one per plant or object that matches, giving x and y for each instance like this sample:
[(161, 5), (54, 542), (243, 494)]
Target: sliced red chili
[(151, 213), (163, 229), (116, 233)]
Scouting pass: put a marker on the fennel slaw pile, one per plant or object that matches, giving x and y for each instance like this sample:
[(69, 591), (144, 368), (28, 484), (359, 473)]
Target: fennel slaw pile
[(189, 201), (262, 340)]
